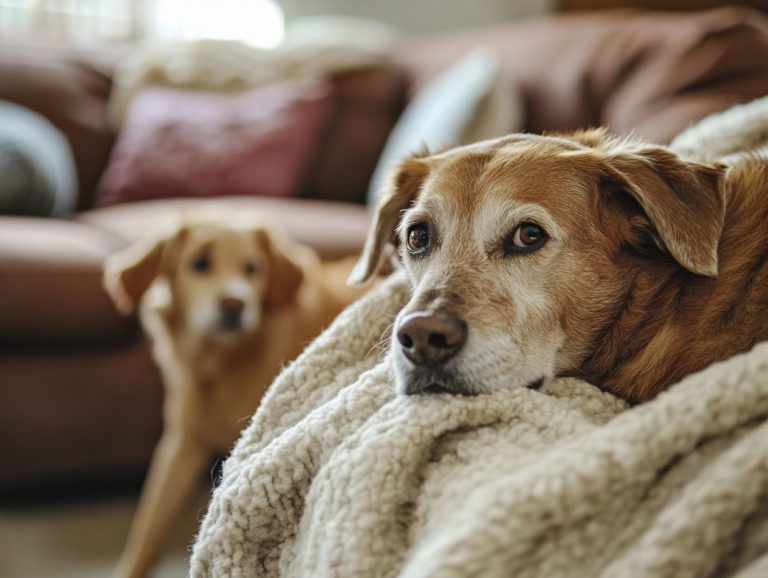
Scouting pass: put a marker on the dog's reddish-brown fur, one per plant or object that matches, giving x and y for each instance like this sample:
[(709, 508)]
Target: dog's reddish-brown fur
[(670, 322), (655, 269)]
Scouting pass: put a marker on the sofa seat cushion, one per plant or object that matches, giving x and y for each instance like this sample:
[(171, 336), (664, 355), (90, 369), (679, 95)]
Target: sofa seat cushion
[(50, 284)]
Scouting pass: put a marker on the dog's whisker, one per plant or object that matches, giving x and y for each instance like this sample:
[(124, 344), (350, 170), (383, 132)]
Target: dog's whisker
[(383, 342)]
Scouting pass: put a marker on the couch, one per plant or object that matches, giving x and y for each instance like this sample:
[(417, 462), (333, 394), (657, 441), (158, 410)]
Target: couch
[(80, 396)]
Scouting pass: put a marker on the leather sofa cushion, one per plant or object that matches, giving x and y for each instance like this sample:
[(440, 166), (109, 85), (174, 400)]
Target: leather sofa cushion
[(650, 73), (50, 284)]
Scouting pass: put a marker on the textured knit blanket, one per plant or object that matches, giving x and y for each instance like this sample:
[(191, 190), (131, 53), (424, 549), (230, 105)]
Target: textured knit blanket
[(339, 476)]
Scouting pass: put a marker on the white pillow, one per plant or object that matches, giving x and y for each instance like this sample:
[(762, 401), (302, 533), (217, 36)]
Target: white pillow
[(37, 167), (467, 102)]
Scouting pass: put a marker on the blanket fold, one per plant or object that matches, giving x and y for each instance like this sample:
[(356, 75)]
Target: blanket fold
[(339, 476)]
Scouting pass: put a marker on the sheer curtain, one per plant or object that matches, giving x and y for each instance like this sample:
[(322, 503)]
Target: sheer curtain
[(258, 22), (76, 20)]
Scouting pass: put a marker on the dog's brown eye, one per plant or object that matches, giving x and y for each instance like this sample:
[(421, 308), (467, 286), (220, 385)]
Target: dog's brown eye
[(202, 263), (418, 240), (250, 269), (526, 237)]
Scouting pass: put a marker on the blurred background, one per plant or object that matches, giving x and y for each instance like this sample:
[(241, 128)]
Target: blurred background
[(116, 113), (260, 22)]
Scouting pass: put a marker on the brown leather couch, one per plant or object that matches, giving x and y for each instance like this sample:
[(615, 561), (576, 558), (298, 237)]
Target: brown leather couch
[(79, 395)]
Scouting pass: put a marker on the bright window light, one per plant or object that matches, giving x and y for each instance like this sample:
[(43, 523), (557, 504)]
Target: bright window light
[(260, 23)]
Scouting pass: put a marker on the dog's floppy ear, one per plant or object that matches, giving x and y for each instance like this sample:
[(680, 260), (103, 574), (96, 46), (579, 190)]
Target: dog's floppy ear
[(400, 190), (285, 274), (684, 201), (129, 273)]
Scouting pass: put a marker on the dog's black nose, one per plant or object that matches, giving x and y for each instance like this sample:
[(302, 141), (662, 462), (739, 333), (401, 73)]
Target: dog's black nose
[(232, 305), (231, 312), (431, 338)]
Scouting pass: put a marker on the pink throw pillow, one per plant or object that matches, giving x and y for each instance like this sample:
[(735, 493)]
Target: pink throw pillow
[(199, 144)]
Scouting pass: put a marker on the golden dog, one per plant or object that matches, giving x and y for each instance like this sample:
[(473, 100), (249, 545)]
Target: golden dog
[(226, 303), (610, 260)]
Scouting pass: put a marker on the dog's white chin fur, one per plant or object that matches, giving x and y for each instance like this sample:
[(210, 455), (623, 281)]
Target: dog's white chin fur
[(498, 366)]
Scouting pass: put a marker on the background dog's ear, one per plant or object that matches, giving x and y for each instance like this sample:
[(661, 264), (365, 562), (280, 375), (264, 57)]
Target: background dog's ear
[(129, 273), (400, 190), (285, 274), (684, 201)]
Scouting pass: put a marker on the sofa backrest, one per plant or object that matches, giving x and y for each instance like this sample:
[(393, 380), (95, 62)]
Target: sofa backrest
[(648, 73)]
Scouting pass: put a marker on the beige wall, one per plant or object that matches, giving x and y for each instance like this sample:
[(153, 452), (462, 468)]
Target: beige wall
[(419, 16)]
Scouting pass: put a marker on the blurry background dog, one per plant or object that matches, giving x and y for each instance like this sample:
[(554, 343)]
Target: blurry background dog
[(226, 302), (608, 259)]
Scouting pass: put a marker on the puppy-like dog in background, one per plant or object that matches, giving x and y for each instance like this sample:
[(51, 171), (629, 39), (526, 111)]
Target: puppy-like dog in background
[(536, 256), (226, 302)]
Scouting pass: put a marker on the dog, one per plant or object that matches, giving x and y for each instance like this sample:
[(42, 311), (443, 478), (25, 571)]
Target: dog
[(614, 261), (226, 301)]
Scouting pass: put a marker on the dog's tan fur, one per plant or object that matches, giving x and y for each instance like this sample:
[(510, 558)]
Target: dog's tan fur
[(214, 379), (655, 266)]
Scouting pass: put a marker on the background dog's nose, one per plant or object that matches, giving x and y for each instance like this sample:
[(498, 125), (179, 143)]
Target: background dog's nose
[(231, 311), (232, 305), (430, 338)]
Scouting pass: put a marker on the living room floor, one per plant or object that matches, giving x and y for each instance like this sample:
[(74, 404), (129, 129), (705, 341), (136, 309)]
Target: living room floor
[(83, 539)]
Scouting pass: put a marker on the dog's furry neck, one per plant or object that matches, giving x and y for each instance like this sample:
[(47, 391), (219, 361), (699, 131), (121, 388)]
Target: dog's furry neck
[(670, 322), (633, 331)]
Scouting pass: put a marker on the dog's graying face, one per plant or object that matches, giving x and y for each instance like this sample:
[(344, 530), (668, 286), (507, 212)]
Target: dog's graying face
[(517, 248), (219, 276)]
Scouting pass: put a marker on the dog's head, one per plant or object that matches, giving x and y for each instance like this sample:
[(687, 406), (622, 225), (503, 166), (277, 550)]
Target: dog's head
[(216, 274), (518, 250)]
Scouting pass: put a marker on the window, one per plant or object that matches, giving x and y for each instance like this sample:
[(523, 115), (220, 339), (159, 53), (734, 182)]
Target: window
[(256, 22)]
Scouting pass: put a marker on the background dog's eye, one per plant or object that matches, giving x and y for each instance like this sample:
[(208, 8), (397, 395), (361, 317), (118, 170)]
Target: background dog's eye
[(526, 237), (251, 269), (419, 239), (202, 263)]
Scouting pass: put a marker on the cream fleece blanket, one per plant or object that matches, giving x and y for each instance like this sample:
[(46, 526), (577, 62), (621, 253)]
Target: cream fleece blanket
[(338, 476)]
